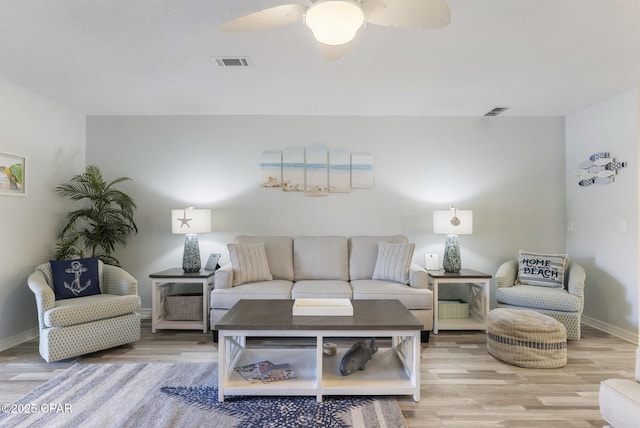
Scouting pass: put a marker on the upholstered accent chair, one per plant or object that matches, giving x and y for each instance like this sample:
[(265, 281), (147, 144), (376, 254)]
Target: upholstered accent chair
[(78, 326), (565, 304), (620, 400)]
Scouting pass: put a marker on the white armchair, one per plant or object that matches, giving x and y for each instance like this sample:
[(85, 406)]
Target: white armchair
[(620, 400), (564, 304), (82, 325)]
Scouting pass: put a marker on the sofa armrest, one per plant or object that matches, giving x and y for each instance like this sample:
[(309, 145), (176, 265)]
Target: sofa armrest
[(223, 278), (576, 277), (506, 274), (418, 277), (45, 297), (118, 281)]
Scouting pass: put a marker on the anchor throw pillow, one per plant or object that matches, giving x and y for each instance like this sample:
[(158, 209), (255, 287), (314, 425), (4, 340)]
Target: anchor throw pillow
[(75, 278)]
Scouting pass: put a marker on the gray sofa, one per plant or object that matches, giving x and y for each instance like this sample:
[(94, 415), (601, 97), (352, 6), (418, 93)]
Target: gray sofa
[(323, 267)]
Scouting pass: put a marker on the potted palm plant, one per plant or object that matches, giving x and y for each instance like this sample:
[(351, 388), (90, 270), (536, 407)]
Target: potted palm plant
[(105, 220)]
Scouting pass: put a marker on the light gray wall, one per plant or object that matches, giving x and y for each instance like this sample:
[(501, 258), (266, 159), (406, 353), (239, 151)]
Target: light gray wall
[(609, 256), (509, 171), (52, 138)]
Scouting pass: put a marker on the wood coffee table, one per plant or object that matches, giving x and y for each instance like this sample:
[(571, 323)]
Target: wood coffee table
[(393, 370)]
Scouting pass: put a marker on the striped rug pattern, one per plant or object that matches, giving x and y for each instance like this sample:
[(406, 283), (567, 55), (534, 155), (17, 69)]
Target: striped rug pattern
[(178, 395)]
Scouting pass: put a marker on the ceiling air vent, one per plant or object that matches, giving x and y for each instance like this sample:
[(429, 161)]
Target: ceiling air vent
[(232, 61), (496, 111)]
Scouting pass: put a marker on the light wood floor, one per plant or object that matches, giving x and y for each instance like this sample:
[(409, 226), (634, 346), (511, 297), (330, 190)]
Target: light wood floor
[(462, 385)]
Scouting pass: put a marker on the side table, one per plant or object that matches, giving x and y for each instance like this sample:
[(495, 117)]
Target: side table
[(161, 283), (478, 297)]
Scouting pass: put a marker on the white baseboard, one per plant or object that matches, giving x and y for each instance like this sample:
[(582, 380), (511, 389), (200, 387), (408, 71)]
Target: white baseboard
[(19, 338), (611, 329)]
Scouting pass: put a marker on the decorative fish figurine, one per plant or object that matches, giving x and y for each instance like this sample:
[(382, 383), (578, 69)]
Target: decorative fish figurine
[(356, 357), (587, 182), (585, 164), (599, 169), (598, 155), (602, 161)]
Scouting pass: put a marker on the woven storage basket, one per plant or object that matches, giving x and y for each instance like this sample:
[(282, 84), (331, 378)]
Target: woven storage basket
[(183, 307), (453, 309), (526, 338)]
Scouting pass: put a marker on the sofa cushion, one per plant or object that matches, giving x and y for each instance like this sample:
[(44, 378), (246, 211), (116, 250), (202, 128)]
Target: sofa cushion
[(411, 298), (249, 263), (90, 308), (541, 269), (393, 262), (75, 278), (535, 297), (279, 251), (320, 257), (225, 298), (363, 253), (328, 289)]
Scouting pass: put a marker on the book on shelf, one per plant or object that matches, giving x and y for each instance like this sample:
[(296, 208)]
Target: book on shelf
[(277, 372), (251, 372), (265, 371), (322, 307)]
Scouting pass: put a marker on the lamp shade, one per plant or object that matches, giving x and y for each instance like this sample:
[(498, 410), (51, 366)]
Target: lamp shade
[(189, 220), (334, 22), (444, 222)]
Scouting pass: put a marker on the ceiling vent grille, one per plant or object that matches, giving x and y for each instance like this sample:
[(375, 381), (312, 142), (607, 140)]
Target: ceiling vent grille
[(496, 111), (232, 61)]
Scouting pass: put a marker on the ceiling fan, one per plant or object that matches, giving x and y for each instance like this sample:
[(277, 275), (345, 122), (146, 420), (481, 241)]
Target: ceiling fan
[(336, 24)]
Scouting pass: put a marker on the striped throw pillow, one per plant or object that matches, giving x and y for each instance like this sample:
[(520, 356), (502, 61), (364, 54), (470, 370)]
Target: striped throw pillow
[(393, 262), (249, 263), (546, 270)]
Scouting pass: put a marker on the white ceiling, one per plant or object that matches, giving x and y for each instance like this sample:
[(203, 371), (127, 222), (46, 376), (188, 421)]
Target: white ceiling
[(153, 57)]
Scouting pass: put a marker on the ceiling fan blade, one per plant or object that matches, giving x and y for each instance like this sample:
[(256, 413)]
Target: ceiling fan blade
[(407, 13), (333, 52), (267, 18)]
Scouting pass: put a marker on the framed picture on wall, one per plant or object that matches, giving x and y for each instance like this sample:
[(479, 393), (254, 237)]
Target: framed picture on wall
[(361, 171), (12, 175)]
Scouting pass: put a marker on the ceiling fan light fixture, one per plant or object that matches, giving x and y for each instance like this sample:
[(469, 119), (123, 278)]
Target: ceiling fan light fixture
[(334, 22)]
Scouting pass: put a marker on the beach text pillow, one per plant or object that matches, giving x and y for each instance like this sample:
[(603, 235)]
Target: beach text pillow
[(546, 270)]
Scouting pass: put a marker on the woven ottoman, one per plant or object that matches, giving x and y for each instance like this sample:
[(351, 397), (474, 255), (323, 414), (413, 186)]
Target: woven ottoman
[(526, 338)]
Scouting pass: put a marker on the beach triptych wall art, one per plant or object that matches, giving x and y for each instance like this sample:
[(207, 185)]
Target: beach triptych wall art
[(12, 175), (316, 167), (340, 171), (293, 170), (361, 171), (316, 170)]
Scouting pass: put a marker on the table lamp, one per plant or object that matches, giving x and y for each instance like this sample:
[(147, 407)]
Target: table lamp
[(452, 222), (190, 222)]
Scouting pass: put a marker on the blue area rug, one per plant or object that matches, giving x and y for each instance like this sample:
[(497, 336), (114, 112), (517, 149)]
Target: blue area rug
[(179, 395), (290, 412)]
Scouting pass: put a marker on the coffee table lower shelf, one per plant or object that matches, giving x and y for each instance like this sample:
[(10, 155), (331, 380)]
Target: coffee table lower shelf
[(393, 370)]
